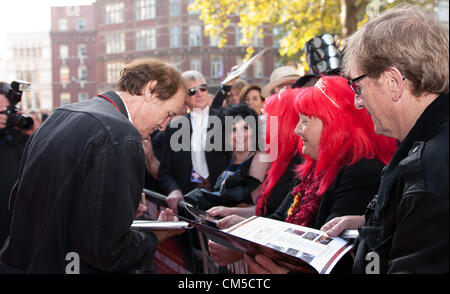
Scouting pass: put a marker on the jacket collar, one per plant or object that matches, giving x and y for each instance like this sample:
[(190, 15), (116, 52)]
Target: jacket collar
[(433, 116), (114, 97)]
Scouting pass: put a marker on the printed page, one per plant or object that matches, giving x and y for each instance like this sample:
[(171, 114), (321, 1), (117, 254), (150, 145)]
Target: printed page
[(309, 245)]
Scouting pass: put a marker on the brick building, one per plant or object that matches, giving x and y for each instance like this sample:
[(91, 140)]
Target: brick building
[(115, 32), (73, 35)]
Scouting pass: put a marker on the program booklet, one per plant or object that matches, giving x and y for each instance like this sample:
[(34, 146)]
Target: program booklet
[(295, 246)]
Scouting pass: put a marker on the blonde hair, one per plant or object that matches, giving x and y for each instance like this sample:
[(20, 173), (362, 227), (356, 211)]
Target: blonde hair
[(407, 37)]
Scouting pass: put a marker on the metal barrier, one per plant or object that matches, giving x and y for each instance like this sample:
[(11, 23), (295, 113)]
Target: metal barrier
[(202, 262)]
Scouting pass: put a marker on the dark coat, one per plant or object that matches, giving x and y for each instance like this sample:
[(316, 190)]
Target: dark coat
[(79, 187), (12, 143), (407, 223), (176, 165)]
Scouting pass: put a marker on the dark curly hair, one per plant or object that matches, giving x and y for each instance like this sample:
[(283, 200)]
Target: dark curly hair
[(233, 114)]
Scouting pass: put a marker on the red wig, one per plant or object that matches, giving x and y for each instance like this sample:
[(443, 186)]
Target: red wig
[(283, 109), (347, 135)]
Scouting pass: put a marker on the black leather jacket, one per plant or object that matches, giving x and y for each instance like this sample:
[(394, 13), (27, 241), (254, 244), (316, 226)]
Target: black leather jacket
[(80, 183), (407, 223)]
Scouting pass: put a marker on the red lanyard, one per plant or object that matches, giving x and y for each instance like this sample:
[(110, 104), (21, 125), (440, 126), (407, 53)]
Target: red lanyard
[(110, 101)]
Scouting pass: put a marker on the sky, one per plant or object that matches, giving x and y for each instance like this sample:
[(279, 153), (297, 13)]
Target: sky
[(26, 16)]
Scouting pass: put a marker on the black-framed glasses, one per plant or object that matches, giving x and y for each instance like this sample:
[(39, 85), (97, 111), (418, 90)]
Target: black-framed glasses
[(193, 91), (356, 87)]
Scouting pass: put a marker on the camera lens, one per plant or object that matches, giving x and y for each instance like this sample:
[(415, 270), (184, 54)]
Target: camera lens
[(25, 122)]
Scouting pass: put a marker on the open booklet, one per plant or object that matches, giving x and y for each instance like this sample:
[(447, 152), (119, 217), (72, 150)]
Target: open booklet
[(295, 246)]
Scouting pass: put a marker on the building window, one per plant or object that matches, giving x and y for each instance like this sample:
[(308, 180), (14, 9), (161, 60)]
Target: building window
[(195, 35), (175, 8), (239, 36), (64, 74), (62, 24), (216, 67), (82, 97), (82, 73), (115, 43), (81, 49), (113, 71), (192, 12), (214, 41), (258, 69), (175, 37), (65, 98), (196, 64), (276, 38), (146, 39), (239, 61), (256, 40), (145, 9), (63, 51), (114, 13), (81, 24)]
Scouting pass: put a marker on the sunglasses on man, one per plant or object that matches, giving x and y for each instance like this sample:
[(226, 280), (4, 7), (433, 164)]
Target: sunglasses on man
[(193, 91)]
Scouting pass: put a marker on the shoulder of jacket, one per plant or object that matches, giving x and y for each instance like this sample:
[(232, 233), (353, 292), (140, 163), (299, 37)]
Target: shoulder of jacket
[(426, 168)]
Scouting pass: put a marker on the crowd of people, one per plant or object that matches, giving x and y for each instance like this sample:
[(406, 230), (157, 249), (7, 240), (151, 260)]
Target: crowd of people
[(365, 149)]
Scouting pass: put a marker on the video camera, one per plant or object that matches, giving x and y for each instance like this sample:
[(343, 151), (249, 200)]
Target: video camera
[(13, 93)]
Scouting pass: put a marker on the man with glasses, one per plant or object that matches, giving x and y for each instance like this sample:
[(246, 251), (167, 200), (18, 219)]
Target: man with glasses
[(399, 69), (198, 165)]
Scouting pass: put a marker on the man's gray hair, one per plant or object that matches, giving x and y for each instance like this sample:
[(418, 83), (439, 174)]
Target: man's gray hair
[(192, 75)]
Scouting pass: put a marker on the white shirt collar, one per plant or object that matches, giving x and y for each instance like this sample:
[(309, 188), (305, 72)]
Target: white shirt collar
[(126, 108)]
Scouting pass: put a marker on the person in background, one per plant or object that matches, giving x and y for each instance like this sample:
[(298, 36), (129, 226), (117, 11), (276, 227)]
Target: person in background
[(281, 78), (403, 84), (181, 171), (12, 143), (233, 97)]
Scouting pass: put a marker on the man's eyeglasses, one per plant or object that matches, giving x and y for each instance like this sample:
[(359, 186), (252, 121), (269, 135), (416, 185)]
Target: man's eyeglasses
[(193, 91), (356, 87)]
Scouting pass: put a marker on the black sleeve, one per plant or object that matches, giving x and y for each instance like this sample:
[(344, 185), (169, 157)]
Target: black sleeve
[(281, 212), (355, 187), (166, 181), (111, 192), (220, 97)]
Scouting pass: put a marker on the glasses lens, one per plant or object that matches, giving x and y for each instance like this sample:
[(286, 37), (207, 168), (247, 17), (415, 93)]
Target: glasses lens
[(192, 91), (356, 88), (203, 87)]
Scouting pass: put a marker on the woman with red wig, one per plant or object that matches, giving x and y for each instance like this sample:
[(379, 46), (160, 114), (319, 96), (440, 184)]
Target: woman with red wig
[(343, 160)]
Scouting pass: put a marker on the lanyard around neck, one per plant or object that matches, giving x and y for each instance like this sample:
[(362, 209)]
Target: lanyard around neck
[(110, 101)]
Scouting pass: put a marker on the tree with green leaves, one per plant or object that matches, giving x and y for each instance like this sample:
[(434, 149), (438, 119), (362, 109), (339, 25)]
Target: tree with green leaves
[(295, 21)]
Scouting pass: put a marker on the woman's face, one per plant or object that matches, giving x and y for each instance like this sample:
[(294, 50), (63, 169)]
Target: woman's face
[(240, 136), (254, 100), (310, 129)]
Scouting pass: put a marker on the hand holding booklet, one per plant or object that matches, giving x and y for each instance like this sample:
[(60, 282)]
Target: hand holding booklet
[(286, 243)]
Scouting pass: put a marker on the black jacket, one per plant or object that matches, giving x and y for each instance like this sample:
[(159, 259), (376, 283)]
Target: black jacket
[(12, 143), (80, 184), (349, 194), (176, 165), (407, 223)]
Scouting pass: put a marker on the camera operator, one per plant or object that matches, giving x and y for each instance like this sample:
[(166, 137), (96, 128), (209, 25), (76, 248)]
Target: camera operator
[(12, 143)]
